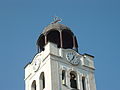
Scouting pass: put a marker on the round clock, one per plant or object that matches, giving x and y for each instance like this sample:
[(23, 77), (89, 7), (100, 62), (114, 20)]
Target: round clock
[(70, 56), (73, 58), (36, 64)]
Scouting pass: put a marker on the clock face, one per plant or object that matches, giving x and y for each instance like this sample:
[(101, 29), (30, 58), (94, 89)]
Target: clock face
[(36, 64), (75, 61), (70, 56), (73, 58)]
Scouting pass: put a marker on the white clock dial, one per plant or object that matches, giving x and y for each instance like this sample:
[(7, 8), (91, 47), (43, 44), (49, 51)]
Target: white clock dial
[(70, 56), (75, 60), (36, 64)]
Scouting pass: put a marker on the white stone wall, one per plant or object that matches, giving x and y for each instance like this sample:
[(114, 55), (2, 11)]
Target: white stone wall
[(52, 61)]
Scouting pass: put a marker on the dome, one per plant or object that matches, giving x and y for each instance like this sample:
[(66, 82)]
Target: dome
[(55, 26), (58, 34)]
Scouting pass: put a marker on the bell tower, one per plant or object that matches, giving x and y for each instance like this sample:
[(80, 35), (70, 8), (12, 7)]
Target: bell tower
[(58, 65)]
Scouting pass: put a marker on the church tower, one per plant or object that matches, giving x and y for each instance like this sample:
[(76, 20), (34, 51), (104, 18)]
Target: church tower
[(58, 65)]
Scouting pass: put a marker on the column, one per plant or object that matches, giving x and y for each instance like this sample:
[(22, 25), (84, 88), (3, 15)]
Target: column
[(45, 39), (61, 40)]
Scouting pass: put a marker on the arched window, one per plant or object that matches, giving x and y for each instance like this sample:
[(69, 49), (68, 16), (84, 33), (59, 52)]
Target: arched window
[(54, 37), (73, 80), (42, 81), (83, 83), (33, 87), (63, 77)]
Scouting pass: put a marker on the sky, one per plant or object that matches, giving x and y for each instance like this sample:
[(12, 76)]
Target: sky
[(96, 24)]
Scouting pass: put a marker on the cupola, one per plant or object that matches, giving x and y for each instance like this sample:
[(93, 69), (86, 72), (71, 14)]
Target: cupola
[(58, 34)]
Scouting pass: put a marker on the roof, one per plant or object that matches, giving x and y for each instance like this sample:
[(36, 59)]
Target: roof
[(56, 26)]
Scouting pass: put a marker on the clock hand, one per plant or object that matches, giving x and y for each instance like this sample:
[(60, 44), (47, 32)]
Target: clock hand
[(73, 57)]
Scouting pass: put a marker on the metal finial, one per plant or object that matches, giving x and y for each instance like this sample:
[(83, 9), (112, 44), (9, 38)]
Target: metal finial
[(56, 19)]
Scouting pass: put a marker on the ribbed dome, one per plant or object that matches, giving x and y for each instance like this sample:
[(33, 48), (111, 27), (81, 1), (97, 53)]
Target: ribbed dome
[(55, 26)]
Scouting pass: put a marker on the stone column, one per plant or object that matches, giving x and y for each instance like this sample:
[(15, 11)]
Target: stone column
[(45, 39), (68, 78), (79, 84), (38, 84)]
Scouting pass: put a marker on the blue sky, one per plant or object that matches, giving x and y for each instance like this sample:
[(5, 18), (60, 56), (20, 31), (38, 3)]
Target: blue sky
[(96, 23)]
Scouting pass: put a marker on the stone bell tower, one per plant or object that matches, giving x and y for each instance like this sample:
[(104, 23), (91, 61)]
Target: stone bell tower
[(58, 65)]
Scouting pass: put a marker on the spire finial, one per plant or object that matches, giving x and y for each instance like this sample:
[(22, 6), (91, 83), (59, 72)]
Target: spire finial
[(56, 19)]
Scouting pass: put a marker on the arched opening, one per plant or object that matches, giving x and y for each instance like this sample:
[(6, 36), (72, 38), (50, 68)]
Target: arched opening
[(83, 83), (41, 42), (63, 77), (67, 38), (33, 87), (54, 37), (73, 80), (42, 81)]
